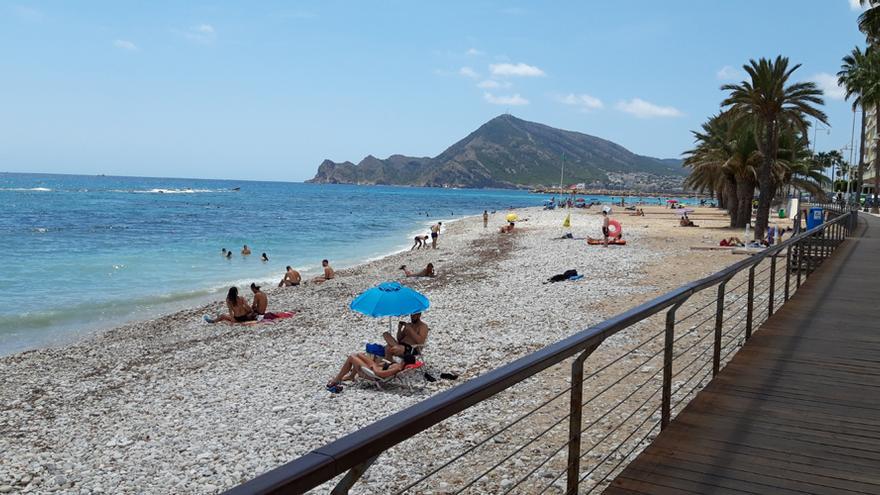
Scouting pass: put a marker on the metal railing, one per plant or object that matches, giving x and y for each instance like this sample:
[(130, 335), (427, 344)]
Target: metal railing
[(664, 350)]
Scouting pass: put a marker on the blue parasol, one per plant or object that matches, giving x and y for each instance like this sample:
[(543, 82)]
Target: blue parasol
[(389, 299)]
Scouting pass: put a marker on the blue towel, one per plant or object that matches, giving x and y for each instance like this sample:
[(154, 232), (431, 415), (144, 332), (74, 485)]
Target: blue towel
[(576, 277)]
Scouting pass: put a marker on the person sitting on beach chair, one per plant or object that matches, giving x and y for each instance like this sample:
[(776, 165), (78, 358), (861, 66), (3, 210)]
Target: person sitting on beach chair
[(368, 367), (410, 337), (427, 272)]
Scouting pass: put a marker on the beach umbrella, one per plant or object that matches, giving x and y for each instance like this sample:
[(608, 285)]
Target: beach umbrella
[(389, 299), (567, 221), (606, 209), (579, 200), (671, 201), (511, 217)]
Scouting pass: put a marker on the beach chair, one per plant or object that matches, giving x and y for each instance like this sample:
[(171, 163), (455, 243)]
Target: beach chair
[(406, 377)]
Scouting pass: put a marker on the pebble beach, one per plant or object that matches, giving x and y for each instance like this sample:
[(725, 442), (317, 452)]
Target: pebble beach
[(176, 405)]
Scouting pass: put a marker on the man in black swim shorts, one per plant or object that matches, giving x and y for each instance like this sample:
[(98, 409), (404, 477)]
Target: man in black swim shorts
[(409, 337)]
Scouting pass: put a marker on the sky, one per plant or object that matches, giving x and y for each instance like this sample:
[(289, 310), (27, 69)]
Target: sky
[(267, 90)]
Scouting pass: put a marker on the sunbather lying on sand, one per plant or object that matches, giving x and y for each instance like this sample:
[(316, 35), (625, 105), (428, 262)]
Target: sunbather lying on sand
[(507, 229), (732, 241), (427, 272), (356, 362)]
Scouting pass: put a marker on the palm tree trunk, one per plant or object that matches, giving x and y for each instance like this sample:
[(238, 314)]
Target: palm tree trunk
[(765, 182), (730, 201), (745, 191), (861, 172)]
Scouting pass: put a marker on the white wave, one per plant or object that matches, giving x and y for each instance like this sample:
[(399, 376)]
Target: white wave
[(22, 189), (175, 191)]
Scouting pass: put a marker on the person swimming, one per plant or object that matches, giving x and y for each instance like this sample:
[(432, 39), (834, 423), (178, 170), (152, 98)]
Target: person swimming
[(264, 258), (245, 251), (228, 254)]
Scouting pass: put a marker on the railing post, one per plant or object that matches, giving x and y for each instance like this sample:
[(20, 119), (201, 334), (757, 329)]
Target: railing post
[(576, 407), (352, 476), (666, 406), (787, 270), (719, 322), (770, 293), (799, 249), (750, 302)]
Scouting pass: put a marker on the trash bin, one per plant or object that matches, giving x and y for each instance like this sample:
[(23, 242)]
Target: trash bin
[(815, 217), (782, 213)]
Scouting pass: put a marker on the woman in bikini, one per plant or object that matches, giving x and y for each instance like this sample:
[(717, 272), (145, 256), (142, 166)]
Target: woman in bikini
[(427, 272), (356, 362), (240, 310)]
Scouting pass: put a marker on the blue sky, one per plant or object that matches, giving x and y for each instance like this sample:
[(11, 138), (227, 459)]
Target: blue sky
[(266, 90)]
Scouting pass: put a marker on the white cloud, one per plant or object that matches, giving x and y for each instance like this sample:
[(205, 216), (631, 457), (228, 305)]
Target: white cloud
[(468, 72), (828, 84), (520, 69), (125, 45), (203, 33), (728, 73), (646, 110), (473, 52), (584, 101), (513, 100), (493, 84)]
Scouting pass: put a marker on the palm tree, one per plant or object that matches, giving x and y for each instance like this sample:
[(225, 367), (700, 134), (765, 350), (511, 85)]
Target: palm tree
[(771, 105), (724, 161), (869, 21), (853, 76), (860, 76)]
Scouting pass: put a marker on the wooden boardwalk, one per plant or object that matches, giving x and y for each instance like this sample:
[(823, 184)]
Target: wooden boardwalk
[(797, 410)]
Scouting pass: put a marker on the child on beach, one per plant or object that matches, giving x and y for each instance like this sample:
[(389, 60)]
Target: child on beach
[(419, 242)]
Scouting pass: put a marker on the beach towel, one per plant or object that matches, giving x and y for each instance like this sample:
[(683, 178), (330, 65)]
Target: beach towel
[(279, 315)]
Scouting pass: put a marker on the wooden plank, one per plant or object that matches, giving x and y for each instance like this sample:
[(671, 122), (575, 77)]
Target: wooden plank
[(797, 409)]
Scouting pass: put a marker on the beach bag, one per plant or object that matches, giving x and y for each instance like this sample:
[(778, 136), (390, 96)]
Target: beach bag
[(567, 274), (376, 349)]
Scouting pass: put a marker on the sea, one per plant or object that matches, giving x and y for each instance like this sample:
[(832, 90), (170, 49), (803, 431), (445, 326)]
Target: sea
[(85, 253)]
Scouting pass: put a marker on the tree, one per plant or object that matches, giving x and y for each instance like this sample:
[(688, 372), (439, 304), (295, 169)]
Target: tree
[(725, 160), (771, 105), (860, 76)]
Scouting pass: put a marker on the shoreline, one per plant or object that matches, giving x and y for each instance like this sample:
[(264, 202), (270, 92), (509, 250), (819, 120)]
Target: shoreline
[(174, 404), (166, 305)]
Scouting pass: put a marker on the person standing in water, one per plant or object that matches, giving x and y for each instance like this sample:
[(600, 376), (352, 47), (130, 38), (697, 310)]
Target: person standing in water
[(435, 233), (245, 251), (485, 219)]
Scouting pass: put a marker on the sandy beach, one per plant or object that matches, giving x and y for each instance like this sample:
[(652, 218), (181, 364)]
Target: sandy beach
[(175, 405)]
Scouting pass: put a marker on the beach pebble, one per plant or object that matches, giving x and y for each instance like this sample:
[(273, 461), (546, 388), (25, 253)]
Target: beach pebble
[(175, 405)]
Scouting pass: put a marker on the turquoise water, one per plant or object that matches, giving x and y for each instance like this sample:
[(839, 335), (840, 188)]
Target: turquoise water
[(87, 252)]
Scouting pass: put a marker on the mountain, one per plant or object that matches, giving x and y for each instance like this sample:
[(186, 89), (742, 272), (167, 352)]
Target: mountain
[(505, 152)]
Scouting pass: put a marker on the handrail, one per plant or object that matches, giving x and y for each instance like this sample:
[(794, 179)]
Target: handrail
[(359, 447)]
